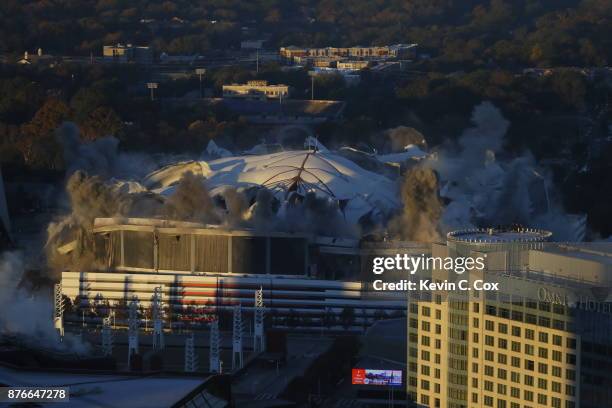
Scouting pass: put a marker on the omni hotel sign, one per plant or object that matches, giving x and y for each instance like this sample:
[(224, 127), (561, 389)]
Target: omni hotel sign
[(595, 302)]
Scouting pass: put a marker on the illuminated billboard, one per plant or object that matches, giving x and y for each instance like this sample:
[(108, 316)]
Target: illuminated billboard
[(366, 376)]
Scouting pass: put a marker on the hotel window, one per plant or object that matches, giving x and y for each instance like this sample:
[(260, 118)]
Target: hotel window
[(502, 359), (502, 374), (529, 365), (516, 331), (489, 325), (489, 341), (531, 304), (438, 299), (570, 390), (474, 367), (556, 371), (515, 405), (413, 338), (517, 316), (531, 319), (489, 355), (557, 355), (437, 388), (542, 399), (505, 313), (502, 343), (558, 324), (425, 340), (414, 308), (544, 321), (515, 377), (488, 401), (489, 371), (476, 308), (543, 368), (529, 334), (474, 397), (425, 369), (438, 314), (542, 384), (515, 392), (425, 355), (475, 322), (529, 380), (571, 343), (545, 306), (529, 349), (570, 404), (414, 323), (542, 352), (425, 326), (475, 352), (438, 329), (491, 310), (570, 375), (438, 344), (425, 385), (412, 381), (437, 359), (475, 337), (516, 346), (488, 386), (426, 311), (474, 382), (437, 373), (425, 399), (555, 402), (528, 395), (515, 362), (501, 389), (570, 359), (557, 340), (556, 387)]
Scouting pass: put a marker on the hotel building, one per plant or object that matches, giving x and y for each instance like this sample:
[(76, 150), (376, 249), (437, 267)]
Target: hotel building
[(543, 340)]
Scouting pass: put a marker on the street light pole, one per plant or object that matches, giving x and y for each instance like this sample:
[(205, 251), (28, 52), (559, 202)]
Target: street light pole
[(152, 86), (312, 88), (200, 72)]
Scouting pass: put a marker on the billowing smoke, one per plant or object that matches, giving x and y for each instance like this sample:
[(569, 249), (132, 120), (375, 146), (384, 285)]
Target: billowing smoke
[(191, 201), (28, 313), (421, 210), (482, 190), (315, 215)]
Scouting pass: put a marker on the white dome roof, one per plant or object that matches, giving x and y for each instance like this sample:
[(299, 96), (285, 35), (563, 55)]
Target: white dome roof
[(322, 173)]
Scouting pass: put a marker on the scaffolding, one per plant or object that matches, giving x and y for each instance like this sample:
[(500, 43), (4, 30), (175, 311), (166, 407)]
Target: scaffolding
[(157, 317), (107, 337), (191, 358), (259, 344), (237, 356), (214, 357), (58, 313), (133, 329)]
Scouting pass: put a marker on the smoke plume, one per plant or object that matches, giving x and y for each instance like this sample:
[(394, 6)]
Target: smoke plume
[(422, 209), (29, 314)]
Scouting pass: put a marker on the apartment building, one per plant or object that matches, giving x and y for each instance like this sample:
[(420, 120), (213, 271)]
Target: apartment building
[(542, 340)]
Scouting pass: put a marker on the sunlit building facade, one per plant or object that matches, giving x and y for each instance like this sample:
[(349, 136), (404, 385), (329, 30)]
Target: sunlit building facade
[(542, 340)]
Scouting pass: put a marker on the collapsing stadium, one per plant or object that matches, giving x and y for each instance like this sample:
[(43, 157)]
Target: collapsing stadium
[(299, 224), (203, 270)]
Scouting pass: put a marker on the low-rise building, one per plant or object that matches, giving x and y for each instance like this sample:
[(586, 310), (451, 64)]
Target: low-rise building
[(397, 51), (128, 53), (256, 90)]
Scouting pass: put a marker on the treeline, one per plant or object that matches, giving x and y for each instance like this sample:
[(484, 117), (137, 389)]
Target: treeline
[(455, 34)]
